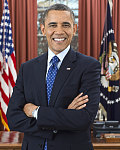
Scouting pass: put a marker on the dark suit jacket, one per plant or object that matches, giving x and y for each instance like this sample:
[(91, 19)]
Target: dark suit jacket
[(64, 129)]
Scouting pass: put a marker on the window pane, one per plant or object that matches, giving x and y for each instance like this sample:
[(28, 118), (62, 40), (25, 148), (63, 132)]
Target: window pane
[(42, 5)]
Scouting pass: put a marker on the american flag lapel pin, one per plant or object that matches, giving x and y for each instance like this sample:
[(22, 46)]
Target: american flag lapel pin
[(68, 68)]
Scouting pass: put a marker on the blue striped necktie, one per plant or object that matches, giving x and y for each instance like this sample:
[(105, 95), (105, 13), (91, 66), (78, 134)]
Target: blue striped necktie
[(50, 80)]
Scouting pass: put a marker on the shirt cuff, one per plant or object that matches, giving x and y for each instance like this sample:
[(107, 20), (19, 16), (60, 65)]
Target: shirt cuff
[(35, 112)]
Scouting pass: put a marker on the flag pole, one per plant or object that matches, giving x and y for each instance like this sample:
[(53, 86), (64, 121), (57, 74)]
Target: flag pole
[(111, 5)]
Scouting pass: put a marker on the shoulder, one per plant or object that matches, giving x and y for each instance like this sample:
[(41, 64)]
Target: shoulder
[(87, 64), (85, 60), (38, 59), (83, 57)]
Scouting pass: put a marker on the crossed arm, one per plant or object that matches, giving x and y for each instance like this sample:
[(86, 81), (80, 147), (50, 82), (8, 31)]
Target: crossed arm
[(79, 102)]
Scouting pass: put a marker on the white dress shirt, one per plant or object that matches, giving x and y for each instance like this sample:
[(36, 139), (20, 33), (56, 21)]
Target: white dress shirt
[(61, 56)]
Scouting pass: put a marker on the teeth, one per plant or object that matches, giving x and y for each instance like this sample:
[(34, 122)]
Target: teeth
[(59, 39)]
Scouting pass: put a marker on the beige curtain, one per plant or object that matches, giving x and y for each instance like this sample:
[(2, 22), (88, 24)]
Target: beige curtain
[(1, 9), (116, 22), (24, 25)]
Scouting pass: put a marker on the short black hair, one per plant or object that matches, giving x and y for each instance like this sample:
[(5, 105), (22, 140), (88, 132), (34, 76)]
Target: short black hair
[(60, 7)]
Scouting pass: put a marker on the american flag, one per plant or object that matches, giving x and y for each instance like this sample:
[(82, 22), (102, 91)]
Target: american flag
[(109, 59), (8, 73)]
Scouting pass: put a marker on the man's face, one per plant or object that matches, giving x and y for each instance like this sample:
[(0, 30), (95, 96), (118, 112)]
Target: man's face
[(59, 30)]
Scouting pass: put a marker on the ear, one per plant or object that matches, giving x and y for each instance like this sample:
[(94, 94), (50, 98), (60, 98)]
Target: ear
[(42, 29), (74, 29)]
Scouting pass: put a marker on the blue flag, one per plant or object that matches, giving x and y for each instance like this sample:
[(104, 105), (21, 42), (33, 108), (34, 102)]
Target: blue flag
[(110, 89)]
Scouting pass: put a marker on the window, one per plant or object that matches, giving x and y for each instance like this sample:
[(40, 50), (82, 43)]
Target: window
[(42, 5)]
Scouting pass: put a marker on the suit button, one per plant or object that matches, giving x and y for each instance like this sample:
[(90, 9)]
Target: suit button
[(43, 128), (55, 131)]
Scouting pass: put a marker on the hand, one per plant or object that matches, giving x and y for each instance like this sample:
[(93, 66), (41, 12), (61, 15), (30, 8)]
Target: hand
[(79, 102), (28, 109)]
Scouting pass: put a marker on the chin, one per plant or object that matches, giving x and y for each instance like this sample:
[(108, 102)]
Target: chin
[(57, 51), (60, 50)]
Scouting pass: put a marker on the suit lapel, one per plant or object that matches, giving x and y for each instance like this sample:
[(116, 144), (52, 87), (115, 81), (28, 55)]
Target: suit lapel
[(41, 78), (66, 68)]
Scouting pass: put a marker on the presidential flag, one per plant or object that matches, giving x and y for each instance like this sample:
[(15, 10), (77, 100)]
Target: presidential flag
[(110, 89), (7, 64)]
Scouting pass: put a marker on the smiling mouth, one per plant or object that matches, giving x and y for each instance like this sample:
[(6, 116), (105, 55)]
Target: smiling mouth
[(59, 39)]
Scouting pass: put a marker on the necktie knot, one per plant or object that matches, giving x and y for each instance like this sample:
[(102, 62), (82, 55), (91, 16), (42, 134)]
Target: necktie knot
[(55, 60)]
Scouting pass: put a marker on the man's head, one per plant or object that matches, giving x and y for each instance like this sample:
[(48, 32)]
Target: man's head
[(59, 27), (59, 7)]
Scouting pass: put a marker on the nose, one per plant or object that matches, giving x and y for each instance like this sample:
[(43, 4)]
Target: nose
[(59, 30)]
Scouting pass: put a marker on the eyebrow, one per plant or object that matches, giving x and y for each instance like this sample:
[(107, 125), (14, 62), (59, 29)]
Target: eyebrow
[(52, 23), (56, 23), (66, 23)]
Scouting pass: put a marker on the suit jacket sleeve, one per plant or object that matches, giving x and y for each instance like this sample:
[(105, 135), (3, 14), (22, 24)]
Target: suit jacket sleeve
[(63, 119), (17, 120)]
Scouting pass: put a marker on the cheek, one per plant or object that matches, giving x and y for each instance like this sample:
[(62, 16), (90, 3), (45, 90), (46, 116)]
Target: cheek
[(70, 34), (49, 33)]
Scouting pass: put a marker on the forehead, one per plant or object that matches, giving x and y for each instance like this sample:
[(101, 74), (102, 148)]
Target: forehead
[(58, 16)]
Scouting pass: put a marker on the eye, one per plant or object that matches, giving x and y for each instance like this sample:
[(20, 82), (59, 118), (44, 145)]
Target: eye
[(66, 25), (52, 25)]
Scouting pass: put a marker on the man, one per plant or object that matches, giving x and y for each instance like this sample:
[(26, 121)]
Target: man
[(50, 100)]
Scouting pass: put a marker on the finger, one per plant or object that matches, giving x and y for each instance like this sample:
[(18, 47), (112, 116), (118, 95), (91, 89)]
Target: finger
[(79, 95), (81, 99), (81, 107), (71, 106), (80, 103), (76, 99), (76, 105)]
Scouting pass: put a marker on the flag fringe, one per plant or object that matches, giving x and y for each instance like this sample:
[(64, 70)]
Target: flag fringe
[(3, 122)]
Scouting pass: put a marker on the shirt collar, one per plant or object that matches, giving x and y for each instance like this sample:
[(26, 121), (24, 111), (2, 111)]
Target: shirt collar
[(60, 55)]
